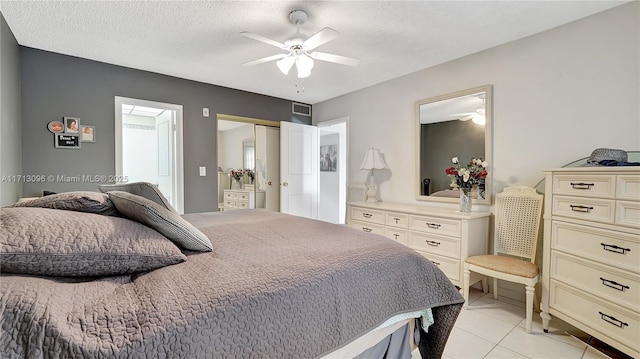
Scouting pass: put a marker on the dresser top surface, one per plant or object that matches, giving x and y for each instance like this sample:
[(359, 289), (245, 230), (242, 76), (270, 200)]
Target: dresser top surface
[(598, 169), (420, 210)]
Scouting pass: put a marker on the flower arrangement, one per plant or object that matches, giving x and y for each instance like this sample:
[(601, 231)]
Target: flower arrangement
[(251, 174), (237, 174), (474, 173)]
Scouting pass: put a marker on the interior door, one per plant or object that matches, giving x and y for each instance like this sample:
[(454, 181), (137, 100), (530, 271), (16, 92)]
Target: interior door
[(299, 169), (268, 165)]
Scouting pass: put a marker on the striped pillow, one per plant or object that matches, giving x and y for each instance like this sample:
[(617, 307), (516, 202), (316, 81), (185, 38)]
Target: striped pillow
[(153, 215), (144, 189)]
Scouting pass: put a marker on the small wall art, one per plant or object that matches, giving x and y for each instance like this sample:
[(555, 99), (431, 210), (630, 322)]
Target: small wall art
[(329, 158), (63, 140), (55, 126), (88, 133), (71, 125)]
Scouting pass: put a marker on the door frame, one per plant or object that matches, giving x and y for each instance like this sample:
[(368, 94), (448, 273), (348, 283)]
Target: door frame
[(178, 155)]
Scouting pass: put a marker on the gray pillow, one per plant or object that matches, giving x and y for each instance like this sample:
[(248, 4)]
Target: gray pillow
[(80, 201), (174, 227), (52, 242), (143, 189)]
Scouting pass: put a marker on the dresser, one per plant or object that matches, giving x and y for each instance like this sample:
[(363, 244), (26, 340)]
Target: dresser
[(591, 253), (445, 236), (243, 199)]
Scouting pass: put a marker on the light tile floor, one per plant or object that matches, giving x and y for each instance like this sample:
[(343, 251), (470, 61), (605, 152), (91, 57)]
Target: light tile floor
[(495, 329)]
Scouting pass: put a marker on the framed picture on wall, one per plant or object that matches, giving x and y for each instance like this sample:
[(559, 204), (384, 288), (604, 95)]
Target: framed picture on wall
[(63, 140), (88, 133), (71, 125), (329, 158)]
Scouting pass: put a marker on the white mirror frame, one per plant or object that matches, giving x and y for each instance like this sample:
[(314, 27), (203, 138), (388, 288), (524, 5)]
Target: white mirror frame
[(488, 144)]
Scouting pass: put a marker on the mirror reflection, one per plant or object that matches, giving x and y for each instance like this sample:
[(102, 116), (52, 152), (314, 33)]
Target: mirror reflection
[(248, 166), (454, 125)]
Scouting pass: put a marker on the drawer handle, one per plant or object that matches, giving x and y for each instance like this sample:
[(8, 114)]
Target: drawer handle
[(614, 284), (436, 263), (367, 215), (582, 185), (433, 243), (395, 236), (366, 229), (615, 249), (609, 319), (433, 225), (579, 208), (396, 219)]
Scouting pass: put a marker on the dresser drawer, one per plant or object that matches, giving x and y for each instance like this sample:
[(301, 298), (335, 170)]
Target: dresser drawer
[(604, 246), (435, 225), (628, 213), (440, 245), (228, 195), (605, 317), (628, 187), (602, 186), (450, 267), (396, 219), (368, 215), (367, 227), (587, 209), (607, 282), (241, 204), (397, 234)]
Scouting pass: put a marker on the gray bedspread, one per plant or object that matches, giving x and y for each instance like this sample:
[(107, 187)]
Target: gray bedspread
[(274, 286)]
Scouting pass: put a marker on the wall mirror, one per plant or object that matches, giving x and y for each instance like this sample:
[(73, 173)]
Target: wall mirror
[(452, 125), (252, 145)]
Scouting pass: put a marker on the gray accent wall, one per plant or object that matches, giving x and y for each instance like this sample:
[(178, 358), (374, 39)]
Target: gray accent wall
[(10, 123), (55, 86)]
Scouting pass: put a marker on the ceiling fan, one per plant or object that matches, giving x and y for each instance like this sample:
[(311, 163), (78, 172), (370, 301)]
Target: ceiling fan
[(298, 46), (478, 116)]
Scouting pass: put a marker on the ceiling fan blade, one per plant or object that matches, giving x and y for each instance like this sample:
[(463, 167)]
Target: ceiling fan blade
[(265, 59), (321, 37), (264, 39), (338, 59)]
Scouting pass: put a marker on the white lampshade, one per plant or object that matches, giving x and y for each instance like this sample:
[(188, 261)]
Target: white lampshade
[(304, 64), (285, 64), (373, 160)]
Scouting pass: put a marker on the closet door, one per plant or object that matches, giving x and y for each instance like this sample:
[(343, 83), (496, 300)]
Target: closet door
[(268, 165)]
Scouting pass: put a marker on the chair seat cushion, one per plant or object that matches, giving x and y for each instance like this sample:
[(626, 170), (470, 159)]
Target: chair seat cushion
[(505, 264)]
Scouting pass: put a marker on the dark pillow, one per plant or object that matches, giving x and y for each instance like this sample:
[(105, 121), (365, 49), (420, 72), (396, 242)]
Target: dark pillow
[(51, 242), (174, 227), (80, 201), (143, 189)]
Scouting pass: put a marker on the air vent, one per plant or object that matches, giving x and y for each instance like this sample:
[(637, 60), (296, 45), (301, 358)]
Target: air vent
[(300, 109)]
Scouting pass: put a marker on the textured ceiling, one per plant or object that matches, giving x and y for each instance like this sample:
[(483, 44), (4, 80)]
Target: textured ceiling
[(200, 40)]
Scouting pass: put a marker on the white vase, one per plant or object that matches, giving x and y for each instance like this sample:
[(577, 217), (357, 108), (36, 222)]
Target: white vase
[(465, 200)]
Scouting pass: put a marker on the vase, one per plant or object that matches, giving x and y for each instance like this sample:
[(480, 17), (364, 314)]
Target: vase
[(236, 184), (465, 200)]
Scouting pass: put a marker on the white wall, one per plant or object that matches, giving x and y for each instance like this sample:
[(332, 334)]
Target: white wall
[(557, 96), (139, 132)]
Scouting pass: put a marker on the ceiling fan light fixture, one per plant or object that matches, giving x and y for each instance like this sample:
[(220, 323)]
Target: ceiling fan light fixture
[(285, 64), (304, 64)]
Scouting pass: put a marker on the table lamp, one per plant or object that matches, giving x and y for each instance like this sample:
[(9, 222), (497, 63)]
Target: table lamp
[(372, 161)]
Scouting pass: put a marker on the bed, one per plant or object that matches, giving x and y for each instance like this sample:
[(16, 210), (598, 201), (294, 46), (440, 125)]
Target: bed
[(237, 284)]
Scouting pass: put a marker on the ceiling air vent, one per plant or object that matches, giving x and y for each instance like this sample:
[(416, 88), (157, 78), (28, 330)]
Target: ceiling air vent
[(301, 109)]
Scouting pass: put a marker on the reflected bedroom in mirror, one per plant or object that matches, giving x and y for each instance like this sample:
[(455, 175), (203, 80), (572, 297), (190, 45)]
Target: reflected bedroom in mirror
[(453, 125)]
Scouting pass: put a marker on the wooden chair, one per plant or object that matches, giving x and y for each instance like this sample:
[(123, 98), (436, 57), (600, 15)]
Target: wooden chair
[(517, 222)]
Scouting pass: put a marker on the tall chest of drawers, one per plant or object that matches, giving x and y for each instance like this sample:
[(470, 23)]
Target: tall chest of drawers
[(444, 236), (591, 253)]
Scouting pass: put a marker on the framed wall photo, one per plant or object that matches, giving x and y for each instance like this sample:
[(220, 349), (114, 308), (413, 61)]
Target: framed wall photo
[(329, 158), (71, 125), (55, 126), (63, 140), (88, 133)]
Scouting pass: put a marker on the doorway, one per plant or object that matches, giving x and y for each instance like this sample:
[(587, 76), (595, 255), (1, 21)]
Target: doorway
[(332, 201), (149, 145)]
